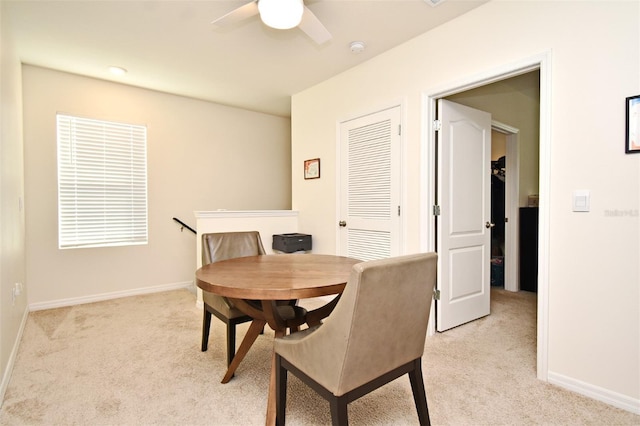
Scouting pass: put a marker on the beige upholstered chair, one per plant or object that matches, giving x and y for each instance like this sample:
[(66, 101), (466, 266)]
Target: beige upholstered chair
[(215, 248), (375, 334)]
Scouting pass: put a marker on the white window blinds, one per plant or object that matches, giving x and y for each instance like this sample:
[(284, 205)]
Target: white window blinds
[(102, 183)]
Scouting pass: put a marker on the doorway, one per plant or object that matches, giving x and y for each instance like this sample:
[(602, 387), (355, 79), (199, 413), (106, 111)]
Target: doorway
[(514, 101), (541, 64)]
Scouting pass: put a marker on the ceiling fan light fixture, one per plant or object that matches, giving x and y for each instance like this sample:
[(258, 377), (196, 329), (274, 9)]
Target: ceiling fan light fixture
[(281, 14)]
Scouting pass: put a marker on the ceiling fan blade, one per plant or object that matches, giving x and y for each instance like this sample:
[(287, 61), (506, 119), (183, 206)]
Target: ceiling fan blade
[(312, 26), (243, 12)]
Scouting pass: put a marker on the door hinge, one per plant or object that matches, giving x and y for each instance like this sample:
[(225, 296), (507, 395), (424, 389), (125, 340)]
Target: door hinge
[(437, 125), (398, 210), (399, 129), (436, 210), (436, 294)]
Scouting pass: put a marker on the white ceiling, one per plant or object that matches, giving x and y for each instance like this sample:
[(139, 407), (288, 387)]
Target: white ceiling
[(171, 46)]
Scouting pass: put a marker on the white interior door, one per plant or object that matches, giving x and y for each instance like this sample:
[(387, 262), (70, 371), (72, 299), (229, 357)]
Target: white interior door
[(463, 225), (369, 218)]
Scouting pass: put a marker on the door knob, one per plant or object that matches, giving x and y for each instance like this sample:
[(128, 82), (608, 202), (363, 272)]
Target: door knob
[(489, 225), (342, 223)]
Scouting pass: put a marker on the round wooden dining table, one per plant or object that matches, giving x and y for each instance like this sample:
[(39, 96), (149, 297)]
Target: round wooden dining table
[(270, 279)]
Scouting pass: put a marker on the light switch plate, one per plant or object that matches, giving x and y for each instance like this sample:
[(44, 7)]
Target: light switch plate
[(581, 200)]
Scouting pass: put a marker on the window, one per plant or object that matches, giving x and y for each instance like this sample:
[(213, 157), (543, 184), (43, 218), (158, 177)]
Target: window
[(102, 183)]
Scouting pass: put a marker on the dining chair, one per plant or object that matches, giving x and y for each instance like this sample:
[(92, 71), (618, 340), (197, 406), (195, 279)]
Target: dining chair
[(221, 246), (215, 248), (375, 334)]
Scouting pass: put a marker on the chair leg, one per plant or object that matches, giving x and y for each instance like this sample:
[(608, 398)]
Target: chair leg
[(206, 325), (281, 392), (419, 394), (231, 342), (338, 406)]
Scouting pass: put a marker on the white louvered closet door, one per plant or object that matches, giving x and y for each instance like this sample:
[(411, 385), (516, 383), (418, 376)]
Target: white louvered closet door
[(370, 211)]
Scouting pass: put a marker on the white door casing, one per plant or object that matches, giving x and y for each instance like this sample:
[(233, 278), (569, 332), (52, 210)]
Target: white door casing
[(370, 212), (542, 62), (464, 223), (512, 172)]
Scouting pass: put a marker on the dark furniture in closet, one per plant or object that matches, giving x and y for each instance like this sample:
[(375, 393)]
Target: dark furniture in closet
[(529, 249)]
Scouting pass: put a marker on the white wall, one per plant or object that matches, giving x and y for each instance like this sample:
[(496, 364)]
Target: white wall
[(12, 226), (594, 47), (201, 156)]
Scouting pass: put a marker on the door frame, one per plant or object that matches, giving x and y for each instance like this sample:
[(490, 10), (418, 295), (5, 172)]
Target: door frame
[(541, 62), (512, 197)]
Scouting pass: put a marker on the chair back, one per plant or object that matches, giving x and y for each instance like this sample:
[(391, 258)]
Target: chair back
[(379, 324), (229, 245)]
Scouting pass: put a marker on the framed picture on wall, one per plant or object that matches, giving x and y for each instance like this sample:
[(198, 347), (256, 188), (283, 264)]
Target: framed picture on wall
[(632, 140), (312, 169)]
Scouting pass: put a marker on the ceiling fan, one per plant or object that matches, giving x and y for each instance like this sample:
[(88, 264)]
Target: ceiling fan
[(279, 14)]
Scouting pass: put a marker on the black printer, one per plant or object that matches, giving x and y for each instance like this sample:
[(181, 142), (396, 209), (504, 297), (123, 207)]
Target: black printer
[(291, 243)]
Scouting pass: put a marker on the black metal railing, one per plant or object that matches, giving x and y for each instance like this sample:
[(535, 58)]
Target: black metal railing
[(184, 225)]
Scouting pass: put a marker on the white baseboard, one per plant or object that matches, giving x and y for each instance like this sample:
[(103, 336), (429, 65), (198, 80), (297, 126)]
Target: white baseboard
[(6, 377), (108, 296), (600, 394)]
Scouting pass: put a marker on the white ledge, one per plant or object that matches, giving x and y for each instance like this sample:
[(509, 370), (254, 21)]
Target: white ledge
[(244, 213)]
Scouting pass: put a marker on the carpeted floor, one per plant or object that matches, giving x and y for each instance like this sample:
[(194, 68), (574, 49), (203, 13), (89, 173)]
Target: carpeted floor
[(137, 361)]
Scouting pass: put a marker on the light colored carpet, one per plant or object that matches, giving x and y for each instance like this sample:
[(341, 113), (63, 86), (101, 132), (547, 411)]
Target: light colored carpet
[(137, 361)]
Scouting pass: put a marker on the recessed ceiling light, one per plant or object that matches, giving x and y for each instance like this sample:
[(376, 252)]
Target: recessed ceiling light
[(433, 2), (117, 70)]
